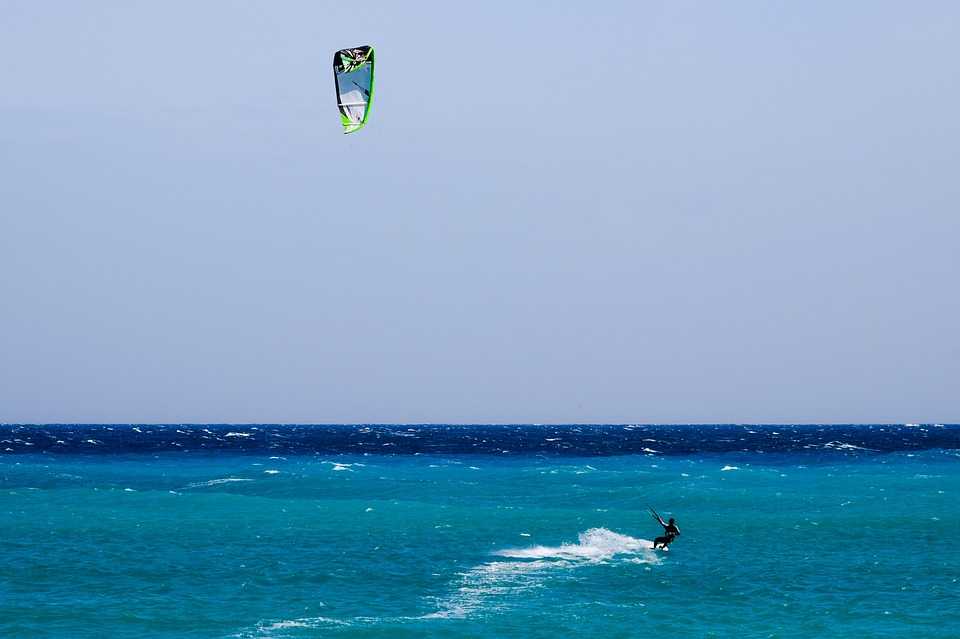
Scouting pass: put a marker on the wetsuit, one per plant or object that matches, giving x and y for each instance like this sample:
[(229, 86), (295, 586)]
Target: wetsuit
[(670, 532)]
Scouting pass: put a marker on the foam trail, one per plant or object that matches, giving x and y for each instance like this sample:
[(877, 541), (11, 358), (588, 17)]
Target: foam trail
[(596, 544), (493, 585), (485, 587)]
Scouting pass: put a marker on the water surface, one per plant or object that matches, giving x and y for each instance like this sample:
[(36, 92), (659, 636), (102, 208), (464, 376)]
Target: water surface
[(488, 531)]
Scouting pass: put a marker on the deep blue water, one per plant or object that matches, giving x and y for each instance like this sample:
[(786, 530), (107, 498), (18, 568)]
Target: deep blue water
[(478, 531), (444, 439)]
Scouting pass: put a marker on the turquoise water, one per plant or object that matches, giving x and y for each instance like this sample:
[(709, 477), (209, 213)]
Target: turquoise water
[(247, 545)]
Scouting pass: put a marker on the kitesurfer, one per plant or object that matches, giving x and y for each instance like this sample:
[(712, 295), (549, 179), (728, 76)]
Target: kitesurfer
[(670, 531)]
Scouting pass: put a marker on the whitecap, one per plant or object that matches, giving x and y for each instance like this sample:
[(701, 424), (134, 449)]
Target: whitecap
[(844, 446), (215, 482), (730, 468), (266, 628)]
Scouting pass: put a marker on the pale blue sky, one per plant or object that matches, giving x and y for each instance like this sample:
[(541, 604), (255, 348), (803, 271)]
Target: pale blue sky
[(626, 211)]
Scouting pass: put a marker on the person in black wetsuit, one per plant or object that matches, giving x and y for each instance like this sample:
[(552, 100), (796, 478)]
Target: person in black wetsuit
[(670, 531)]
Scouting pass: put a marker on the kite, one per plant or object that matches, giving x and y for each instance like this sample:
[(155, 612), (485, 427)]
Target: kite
[(353, 75)]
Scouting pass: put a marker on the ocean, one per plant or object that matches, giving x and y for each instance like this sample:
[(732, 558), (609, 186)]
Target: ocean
[(258, 531)]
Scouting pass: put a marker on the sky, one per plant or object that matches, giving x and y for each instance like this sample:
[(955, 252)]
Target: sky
[(656, 212)]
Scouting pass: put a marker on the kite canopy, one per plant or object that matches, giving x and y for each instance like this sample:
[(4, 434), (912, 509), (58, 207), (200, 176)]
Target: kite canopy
[(353, 75)]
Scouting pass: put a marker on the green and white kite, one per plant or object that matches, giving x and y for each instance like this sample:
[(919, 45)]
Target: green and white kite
[(353, 75)]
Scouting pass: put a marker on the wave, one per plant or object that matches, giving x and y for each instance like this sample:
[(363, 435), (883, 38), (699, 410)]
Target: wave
[(835, 445), (283, 627), (215, 482)]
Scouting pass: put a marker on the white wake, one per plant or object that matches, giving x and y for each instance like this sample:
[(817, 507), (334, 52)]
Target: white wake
[(492, 585), (596, 544)]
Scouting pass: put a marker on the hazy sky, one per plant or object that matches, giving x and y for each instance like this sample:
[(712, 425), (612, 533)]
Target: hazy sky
[(626, 211)]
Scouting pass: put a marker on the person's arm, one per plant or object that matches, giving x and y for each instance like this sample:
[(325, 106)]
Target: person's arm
[(659, 518)]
